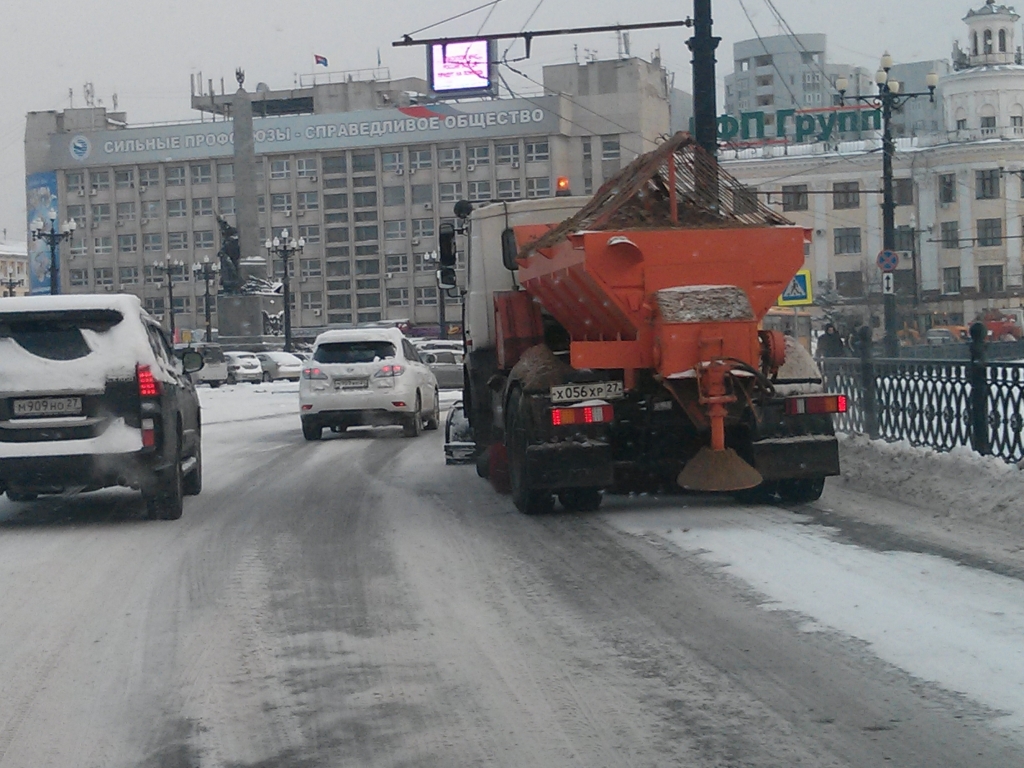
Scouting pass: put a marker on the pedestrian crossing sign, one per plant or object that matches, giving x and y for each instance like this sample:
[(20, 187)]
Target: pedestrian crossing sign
[(798, 292)]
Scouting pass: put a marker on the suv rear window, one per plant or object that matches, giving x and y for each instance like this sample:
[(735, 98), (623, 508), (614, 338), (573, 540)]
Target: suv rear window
[(57, 335), (354, 351)]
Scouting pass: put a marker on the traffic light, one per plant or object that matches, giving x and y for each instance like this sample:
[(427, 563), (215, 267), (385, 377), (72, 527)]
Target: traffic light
[(446, 244)]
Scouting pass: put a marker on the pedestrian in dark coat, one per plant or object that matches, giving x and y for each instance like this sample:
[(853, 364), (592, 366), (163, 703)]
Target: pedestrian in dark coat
[(830, 343)]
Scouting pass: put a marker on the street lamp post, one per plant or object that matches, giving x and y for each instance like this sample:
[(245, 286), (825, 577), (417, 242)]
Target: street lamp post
[(207, 271), (170, 267), (890, 97), (11, 281), (52, 237), (284, 248)]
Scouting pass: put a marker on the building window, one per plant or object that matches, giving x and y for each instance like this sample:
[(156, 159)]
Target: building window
[(367, 300), (610, 149), (99, 180), (335, 201), (449, 192), (398, 297), (281, 202), (310, 233), (202, 239), (422, 264), (422, 228), (394, 230), (961, 124), (847, 240), (367, 233), (947, 188), (904, 240), (311, 268), (153, 242), (364, 199), (419, 159), (480, 155), (75, 182), (79, 278), (537, 151), (155, 305), (794, 197), (280, 169), (306, 166), (990, 278), (538, 187), (990, 232), (949, 235), (335, 164), (77, 212), (101, 213), (508, 189), (176, 209), (422, 194), (337, 234), (506, 154), (150, 210), (312, 300), (226, 205), (127, 243), (986, 184), (153, 276), (102, 245), (391, 161), (588, 150), (903, 191), (846, 194), (988, 126), (850, 284), (368, 267), (449, 157), (177, 241), (201, 173), (79, 248), (125, 211), (426, 296), (363, 162), (951, 280), (103, 275), (124, 179), (397, 263), (128, 275), (225, 173), (202, 206), (368, 284), (174, 176), (394, 196), (479, 190)]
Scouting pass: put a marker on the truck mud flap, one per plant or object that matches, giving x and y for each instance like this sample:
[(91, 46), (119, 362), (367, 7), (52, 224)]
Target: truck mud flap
[(803, 456), (570, 465)]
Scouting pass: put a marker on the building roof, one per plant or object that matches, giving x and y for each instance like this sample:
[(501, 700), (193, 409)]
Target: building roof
[(16, 248), (991, 9)]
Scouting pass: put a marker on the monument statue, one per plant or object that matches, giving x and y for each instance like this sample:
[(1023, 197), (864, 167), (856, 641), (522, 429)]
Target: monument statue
[(230, 256)]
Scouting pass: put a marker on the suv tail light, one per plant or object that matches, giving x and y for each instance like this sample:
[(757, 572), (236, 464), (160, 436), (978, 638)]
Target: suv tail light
[(389, 370), (585, 414), (313, 373), (815, 404), (149, 385)]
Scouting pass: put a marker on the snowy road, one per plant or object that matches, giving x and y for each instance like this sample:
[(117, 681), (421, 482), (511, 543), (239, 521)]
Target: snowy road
[(355, 602)]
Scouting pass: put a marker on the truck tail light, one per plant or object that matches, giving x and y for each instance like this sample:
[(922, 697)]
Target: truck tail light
[(148, 433), (815, 404), (313, 373), (389, 370), (581, 414), (149, 385)]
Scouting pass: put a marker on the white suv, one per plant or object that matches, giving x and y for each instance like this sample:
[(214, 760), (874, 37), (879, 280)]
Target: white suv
[(366, 376)]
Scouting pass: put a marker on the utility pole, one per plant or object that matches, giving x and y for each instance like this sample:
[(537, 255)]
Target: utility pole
[(705, 108)]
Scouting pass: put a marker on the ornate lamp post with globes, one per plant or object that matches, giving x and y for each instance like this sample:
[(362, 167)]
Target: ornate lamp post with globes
[(284, 248), (52, 237), (207, 271), (890, 97), (170, 267)]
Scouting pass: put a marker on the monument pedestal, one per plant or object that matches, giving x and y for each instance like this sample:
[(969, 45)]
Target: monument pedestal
[(251, 320)]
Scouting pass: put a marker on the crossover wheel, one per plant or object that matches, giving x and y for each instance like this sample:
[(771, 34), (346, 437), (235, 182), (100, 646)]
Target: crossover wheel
[(414, 421), (311, 431), (434, 417)]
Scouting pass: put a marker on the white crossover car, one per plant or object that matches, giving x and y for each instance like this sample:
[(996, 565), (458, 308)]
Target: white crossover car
[(371, 376)]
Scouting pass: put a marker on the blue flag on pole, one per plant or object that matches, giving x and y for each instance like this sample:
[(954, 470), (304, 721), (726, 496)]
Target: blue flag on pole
[(318, 59)]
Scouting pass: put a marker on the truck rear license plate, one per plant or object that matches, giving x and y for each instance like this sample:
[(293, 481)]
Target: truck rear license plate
[(48, 406), (598, 390)]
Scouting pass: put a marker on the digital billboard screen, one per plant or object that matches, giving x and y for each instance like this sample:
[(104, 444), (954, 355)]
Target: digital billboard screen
[(462, 67)]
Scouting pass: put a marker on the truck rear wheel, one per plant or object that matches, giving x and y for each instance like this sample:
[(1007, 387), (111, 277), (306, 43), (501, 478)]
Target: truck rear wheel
[(801, 491), (529, 501)]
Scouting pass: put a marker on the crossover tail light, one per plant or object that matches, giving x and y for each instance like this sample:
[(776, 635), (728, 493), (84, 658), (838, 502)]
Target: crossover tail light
[(815, 404), (313, 373), (582, 414), (389, 370)]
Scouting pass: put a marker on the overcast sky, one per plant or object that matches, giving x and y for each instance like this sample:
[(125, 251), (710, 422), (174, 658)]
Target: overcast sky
[(145, 52)]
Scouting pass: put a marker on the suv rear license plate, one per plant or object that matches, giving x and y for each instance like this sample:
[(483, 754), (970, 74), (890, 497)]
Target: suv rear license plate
[(351, 383), (598, 390), (48, 406)]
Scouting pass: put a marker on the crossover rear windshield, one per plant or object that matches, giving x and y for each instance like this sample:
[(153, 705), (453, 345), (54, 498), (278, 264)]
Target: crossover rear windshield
[(57, 335), (212, 354), (354, 351)]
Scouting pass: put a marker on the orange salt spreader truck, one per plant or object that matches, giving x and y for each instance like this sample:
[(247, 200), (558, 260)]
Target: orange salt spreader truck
[(613, 343)]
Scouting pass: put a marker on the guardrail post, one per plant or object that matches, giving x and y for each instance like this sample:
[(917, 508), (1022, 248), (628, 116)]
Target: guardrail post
[(978, 375), (867, 382)]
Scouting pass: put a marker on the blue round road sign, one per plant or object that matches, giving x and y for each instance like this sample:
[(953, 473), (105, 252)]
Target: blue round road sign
[(888, 261)]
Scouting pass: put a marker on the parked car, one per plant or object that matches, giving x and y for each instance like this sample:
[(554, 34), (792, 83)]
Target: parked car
[(280, 365), (948, 334), (446, 366), (243, 366), (429, 345), (215, 366), (366, 376), (91, 396)]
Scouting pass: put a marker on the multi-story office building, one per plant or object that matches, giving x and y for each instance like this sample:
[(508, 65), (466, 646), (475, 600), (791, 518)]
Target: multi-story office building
[(364, 171)]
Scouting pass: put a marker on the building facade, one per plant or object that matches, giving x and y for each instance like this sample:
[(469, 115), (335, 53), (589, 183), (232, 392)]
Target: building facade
[(365, 172), (13, 268)]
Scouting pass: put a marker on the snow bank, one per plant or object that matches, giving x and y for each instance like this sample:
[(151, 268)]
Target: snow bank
[(960, 485)]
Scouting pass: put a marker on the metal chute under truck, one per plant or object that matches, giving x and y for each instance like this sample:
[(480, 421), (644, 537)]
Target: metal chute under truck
[(614, 343)]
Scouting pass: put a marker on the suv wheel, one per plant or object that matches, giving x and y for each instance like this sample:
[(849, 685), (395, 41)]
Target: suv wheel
[(311, 431), (414, 421), (192, 484), (164, 499), (434, 417), (19, 496)]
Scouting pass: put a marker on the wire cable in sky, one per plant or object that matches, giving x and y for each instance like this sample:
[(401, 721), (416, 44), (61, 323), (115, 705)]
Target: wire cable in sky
[(775, 66), (451, 18), (487, 17)]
